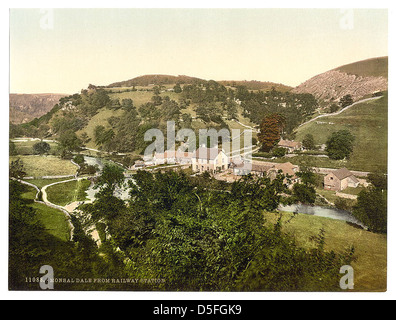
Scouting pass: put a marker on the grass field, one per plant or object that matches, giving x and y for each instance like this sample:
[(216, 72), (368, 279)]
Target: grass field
[(39, 166), (368, 123), (26, 147), (43, 182), (54, 221), (370, 264), (65, 193)]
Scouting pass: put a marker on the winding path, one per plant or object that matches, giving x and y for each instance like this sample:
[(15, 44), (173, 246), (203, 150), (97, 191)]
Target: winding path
[(338, 112), (49, 204)]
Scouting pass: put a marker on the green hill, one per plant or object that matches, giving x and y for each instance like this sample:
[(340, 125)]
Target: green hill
[(367, 121), (155, 79)]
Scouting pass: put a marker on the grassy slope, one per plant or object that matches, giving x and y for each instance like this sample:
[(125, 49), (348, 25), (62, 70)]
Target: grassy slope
[(43, 182), (370, 263), (54, 221), (368, 123), (26, 147), (65, 193), (141, 97), (38, 166), (376, 67), (99, 119)]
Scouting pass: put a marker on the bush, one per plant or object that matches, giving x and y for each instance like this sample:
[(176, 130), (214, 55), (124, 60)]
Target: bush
[(279, 152)]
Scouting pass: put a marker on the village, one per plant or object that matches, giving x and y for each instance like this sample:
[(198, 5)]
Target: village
[(229, 168)]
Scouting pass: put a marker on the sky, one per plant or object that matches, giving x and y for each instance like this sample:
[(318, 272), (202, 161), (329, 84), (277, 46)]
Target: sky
[(65, 50)]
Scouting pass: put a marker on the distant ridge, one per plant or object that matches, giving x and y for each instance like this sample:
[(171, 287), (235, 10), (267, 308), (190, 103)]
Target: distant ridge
[(161, 79), (256, 85), (25, 107), (155, 79)]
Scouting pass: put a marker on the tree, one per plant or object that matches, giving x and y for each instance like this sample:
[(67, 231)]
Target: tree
[(378, 180), (111, 177), (340, 145), (104, 137), (334, 108), (85, 138), (127, 104), (346, 101), (17, 169), (270, 131), (177, 88), (70, 141), (371, 209), (12, 149), (304, 192), (41, 148), (309, 142)]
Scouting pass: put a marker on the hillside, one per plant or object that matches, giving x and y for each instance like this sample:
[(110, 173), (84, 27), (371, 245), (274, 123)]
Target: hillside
[(256, 85), (25, 107), (158, 79), (375, 67), (368, 122), (359, 79)]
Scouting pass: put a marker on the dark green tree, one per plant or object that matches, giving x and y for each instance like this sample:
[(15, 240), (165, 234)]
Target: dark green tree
[(309, 142), (340, 145), (346, 101), (17, 169), (41, 148), (69, 142), (177, 88), (371, 209)]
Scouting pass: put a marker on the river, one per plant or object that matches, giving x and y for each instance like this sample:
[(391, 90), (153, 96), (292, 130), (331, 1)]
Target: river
[(319, 211), (121, 193)]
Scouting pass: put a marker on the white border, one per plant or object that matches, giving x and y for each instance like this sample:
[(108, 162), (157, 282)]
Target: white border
[(11, 295)]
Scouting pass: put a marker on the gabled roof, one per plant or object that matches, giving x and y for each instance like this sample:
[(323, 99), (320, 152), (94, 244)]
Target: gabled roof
[(342, 173), (289, 143), (287, 168), (260, 168)]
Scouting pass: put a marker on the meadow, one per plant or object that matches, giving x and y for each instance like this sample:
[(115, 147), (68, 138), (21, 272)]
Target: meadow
[(65, 193), (367, 122), (53, 220), (39, 166)]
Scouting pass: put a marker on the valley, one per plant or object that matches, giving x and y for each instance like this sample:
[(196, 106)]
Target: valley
[(92, 188)]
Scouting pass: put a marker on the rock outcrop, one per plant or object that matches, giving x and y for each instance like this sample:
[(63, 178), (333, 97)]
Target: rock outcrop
[(333, 85)]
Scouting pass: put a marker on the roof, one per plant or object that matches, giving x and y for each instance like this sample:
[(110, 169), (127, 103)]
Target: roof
[(260, 168), (207, 153), (342, 173), (287, 168), (289, 143), (186, 155)]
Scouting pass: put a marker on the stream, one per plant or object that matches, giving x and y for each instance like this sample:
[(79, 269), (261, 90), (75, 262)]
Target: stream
[(332, 213)]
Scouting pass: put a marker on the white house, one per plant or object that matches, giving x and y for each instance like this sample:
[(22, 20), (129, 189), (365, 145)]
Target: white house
[(209, 159)]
